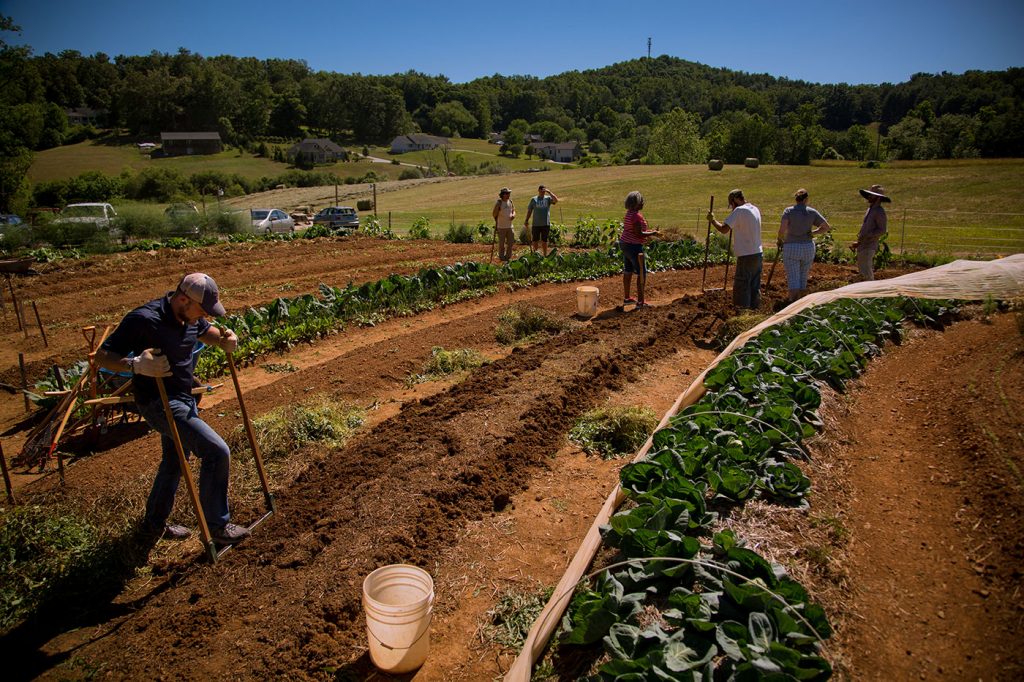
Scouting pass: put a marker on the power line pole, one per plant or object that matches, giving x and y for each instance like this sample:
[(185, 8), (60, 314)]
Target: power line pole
[(648, 47)]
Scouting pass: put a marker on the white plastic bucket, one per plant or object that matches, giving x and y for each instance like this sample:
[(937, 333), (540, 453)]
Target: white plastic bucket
[(398, 600), (586, 301)]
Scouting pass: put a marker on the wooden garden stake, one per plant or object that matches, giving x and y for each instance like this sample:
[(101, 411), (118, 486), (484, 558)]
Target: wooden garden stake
[(39, 321), (14, 301), (24, 379), (7, 477)]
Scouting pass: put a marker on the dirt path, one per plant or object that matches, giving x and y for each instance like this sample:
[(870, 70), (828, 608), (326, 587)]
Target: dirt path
[(934, 442)]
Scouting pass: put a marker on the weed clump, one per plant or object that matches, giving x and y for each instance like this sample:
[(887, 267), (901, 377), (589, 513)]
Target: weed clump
[(525, 322), (284, 430), (613, 431), (510, 620), (443, 363), (52, 557), (735, 326)]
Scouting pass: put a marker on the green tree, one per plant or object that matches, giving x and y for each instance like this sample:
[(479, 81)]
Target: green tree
[(858, 143), (750, 136), (449, 118), (549, 131), (676, 138)]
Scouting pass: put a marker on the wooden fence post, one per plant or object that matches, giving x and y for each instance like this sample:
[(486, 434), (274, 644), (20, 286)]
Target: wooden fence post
[(39, 321), (24, 380), (7, 477), (903, 232)]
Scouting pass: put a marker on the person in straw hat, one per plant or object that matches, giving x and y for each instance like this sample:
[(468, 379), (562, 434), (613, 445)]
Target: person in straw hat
[(504, 212), (799, 224), (872, 229)]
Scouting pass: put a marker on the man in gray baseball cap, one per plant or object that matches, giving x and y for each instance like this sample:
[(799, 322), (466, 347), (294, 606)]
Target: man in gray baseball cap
[(157, 342)]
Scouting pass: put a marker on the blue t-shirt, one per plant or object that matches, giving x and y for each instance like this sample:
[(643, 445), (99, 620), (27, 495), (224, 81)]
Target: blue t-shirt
[(154, 325), (541, 207), (802, 219)]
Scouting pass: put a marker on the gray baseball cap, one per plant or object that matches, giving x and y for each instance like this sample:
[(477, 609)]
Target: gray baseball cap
[(203, 290)]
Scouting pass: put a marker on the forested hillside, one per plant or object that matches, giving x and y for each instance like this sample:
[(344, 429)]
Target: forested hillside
[(662, 110)]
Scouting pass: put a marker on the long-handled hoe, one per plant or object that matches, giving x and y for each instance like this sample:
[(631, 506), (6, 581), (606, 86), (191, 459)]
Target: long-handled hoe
[(728, 257), (204, 529), (771, 271), (707, 249), (490, 259)]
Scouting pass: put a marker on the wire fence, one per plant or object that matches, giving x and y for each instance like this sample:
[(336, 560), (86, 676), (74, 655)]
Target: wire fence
[(911, 231)]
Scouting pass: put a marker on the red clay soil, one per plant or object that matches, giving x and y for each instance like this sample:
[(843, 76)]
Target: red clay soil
[(435, 472), (933, 441), (98, 290)]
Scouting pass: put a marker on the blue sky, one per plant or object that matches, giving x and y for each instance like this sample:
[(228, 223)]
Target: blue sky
[(826, 41)]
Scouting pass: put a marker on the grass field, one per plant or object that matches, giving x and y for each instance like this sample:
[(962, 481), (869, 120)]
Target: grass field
[(957, 205), (473, 151), (961, 206), (71, 160)]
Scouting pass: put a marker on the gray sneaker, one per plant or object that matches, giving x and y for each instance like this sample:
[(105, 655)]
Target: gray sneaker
[(173, 531), (230, 534)]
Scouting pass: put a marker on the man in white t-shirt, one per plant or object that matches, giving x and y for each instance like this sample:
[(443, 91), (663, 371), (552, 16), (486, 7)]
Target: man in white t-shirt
[(745, 223)]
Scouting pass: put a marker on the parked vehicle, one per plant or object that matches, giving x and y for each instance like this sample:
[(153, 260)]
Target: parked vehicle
[(12, 230), (271, 220), (184, 218), (338, 218), (98, 214)]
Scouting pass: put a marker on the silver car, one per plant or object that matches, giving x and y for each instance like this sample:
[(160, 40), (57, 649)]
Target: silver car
[(271, 220)]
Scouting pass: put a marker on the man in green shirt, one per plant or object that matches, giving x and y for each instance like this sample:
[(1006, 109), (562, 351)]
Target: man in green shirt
[(540, 209)]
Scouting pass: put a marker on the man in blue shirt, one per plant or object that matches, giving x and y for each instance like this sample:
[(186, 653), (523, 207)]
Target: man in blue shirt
[(540, 209), (156, 342)]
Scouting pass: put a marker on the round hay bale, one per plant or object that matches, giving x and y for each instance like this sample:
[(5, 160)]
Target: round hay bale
[(715, 164), (750, 162)]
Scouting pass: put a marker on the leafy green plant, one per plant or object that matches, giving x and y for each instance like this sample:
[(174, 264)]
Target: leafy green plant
[(39, 546), (314, 231), (420, 228), (591, 233), (371, 226), (613, 431), (461, 233)]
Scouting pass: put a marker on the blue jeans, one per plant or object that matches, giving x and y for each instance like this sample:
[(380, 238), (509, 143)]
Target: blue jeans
[(746, 285), (197, 437)]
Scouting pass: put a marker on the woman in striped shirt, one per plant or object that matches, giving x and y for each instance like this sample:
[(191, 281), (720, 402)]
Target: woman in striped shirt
[(634, 234)]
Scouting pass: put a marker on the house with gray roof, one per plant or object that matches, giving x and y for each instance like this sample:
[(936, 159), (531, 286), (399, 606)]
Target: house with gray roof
[(316, 150), (416, 142), (563, 152)]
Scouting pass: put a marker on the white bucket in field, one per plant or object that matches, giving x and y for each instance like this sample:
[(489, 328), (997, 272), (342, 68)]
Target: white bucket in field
[(398, 600), (586, 301)]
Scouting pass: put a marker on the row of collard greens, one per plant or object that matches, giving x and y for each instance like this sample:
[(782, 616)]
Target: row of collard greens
[(722, 610)]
